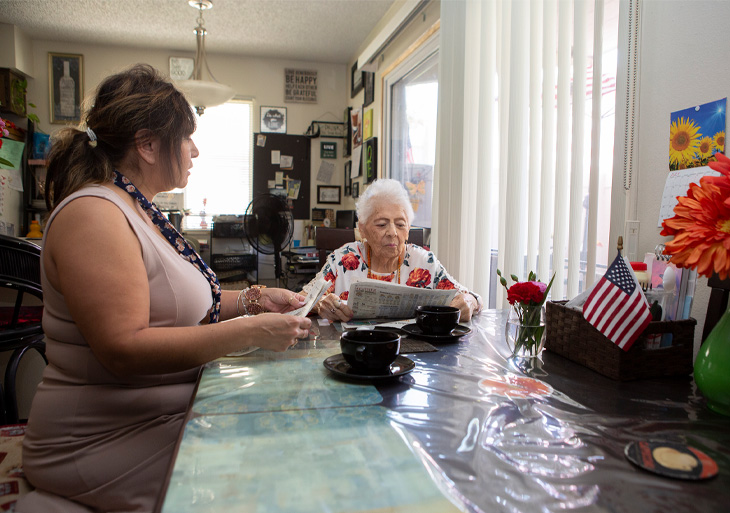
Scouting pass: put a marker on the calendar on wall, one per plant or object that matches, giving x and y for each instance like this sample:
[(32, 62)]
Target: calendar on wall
[(677, 184)]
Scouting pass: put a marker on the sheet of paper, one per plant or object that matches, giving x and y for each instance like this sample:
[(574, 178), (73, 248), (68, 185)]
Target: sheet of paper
[(677, 184), (326, 171), (275, 157), (316, 293), (377, 323), (356, 152), (15, 180), (261, 140), (12, 151), (279, 177), (287, 162), (373, 299)]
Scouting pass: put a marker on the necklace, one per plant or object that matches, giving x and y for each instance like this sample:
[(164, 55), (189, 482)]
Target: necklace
[(397, 272), (175, 239)]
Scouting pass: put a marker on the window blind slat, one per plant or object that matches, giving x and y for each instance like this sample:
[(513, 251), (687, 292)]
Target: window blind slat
[(580, 63)]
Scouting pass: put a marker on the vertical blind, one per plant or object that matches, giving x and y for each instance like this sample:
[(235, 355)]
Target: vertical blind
[(519, 145)]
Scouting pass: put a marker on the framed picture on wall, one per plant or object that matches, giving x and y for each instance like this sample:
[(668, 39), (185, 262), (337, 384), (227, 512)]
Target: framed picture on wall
[(369, 84), (273, 120), (355, 190), (348, 178), (370, 159), (66, 86), (328, 194), (356, 84), (347, 144)]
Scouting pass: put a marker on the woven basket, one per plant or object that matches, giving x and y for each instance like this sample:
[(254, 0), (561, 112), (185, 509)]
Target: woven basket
[(570, 335)]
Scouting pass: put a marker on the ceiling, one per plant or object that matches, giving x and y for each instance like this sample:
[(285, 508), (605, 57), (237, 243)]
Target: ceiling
[(309, 30)]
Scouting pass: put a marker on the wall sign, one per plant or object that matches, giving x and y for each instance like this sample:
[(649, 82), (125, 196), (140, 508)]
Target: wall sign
[(300, 86), (273, 120), (328, 150)]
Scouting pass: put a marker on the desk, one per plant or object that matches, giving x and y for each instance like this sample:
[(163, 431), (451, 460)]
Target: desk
[(275, 432)]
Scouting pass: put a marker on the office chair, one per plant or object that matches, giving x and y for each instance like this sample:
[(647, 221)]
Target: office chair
[(21, 310)]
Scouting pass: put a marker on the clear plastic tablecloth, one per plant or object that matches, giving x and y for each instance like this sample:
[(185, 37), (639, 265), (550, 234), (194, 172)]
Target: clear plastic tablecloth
[(469, 429)]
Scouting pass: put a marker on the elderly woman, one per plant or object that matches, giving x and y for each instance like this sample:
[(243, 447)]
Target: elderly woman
[(384, 214)]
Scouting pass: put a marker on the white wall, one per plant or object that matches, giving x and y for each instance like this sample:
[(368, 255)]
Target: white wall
[(260, 79), (683, 63), (396, 49)]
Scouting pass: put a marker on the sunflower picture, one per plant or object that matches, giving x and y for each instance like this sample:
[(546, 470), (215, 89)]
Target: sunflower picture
[(696, 134)]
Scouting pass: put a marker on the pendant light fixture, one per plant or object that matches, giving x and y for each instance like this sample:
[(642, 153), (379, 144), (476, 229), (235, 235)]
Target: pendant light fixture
[(200, 92)]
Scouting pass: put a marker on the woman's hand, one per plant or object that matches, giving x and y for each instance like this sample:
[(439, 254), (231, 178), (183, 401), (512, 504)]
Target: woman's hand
[(281, 300), (466, 303), (278, 332), (331, 308)]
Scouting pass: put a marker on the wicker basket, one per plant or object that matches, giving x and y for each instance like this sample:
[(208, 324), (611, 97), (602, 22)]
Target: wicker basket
[(570, 335)]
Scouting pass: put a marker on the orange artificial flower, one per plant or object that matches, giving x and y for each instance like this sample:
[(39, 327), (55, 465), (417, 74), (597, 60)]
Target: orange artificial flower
[(701, 225)]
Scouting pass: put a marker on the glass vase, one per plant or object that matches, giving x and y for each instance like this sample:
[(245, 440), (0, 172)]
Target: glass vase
[(712, 367), (525, 330)]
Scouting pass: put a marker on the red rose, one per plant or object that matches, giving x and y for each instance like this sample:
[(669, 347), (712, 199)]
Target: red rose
[(419, 278), (526, 292), (445, 285), (350, 261), (330, 277), (344, 295)]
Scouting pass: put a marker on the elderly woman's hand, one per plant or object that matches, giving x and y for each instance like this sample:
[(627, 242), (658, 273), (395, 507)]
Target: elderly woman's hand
[(330, 307), (466, 303)]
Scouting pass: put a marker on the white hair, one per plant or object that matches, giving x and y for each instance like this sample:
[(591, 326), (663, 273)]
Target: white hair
[(384, 189)]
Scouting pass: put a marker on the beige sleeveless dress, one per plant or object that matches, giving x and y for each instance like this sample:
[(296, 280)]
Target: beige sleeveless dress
[(96, 441)]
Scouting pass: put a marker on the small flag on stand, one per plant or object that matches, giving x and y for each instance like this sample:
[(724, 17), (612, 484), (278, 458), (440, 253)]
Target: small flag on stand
[(616, 307)]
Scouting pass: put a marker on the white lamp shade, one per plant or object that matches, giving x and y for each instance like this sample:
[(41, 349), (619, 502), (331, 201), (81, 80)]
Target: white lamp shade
[(204, 93)]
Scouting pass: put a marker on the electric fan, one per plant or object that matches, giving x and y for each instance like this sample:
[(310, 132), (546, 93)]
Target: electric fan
[(269, 226)]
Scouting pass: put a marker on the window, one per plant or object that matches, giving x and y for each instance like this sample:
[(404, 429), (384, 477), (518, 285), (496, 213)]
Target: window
[(526, 148), (220, 181), (410, 121)]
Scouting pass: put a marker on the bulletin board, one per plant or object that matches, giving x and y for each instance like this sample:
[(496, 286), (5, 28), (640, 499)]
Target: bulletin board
[(267, 163)]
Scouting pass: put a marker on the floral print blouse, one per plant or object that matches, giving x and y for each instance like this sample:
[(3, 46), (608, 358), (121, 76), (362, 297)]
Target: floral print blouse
[(420, 268)]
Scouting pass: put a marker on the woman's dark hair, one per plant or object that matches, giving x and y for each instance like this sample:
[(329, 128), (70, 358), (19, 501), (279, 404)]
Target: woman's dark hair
[(138, 99)]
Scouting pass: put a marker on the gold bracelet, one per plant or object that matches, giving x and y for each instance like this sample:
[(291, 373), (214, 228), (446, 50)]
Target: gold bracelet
[(252, 296)]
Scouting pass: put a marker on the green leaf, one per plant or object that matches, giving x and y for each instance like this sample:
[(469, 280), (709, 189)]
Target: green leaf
[(5, 162)]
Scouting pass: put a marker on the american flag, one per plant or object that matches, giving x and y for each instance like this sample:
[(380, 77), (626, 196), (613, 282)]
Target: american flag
[(616, 307)]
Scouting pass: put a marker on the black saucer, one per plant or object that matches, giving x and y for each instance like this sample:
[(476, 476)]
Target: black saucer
[(400, 367), (459, 331)]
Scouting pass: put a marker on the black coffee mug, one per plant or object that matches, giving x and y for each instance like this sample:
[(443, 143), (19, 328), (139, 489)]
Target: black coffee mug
[(370, 350), (437, 320)]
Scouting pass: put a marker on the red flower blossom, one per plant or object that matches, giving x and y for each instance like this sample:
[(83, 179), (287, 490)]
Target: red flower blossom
[(445, 285), (344, 295), (701, 224), (526, 292), (330, 277), (419, 278), (350, 261)]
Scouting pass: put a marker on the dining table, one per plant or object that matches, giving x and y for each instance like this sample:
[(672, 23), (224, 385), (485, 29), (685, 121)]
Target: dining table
[(459, 425)]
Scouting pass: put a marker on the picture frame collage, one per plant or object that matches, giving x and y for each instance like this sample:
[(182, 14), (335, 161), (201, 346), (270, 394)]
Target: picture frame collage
[(360, 134)]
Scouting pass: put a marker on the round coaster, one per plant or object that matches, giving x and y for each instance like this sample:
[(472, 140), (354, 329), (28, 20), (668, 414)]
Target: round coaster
[(671, 459), (515, 386)]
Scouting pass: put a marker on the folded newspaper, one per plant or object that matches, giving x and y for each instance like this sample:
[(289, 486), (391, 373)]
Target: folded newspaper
[(315, 294), (374, 299)]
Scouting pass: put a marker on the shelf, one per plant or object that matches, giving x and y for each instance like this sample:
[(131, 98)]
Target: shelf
[(37, 162)]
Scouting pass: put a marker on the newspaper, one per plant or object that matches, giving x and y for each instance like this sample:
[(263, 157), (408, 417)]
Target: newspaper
[(373, 298), (315, 294)]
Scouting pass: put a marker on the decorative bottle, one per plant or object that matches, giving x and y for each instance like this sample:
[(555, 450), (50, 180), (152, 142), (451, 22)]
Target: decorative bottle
[(67, 92), (35, 231)]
